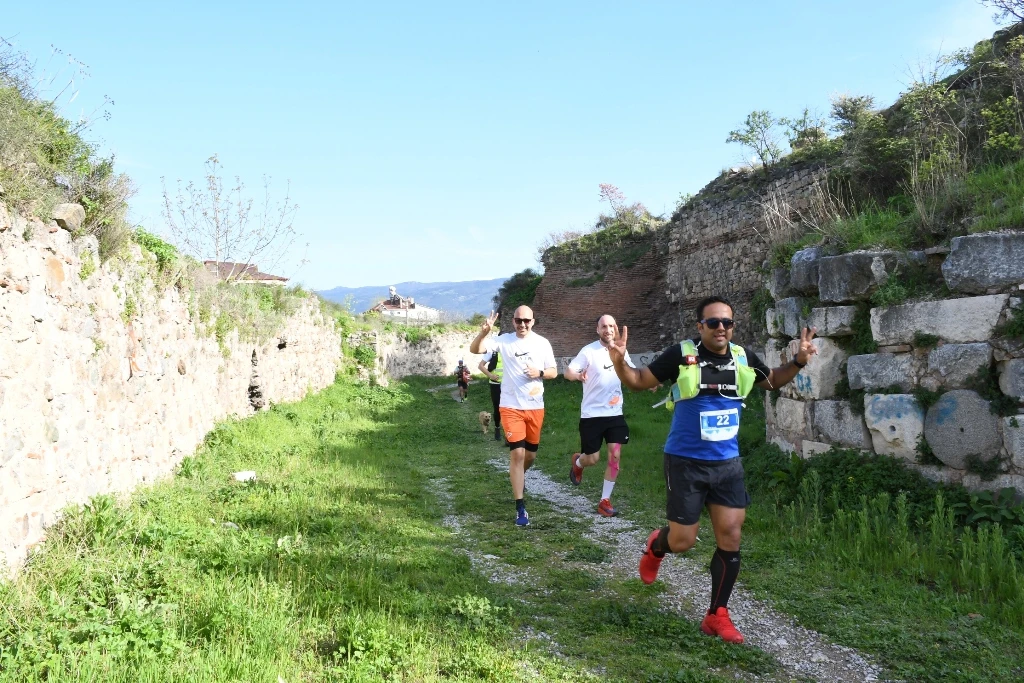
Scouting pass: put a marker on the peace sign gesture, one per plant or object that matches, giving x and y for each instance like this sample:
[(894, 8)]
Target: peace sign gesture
[(806, 348), (488, 324), (617, 350)]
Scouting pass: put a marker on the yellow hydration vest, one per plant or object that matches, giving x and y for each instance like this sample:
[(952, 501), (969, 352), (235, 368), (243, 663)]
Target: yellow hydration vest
[(494, 366), (688, 383)]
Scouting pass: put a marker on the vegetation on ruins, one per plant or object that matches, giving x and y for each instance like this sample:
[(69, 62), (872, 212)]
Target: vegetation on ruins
[(518, 290), (45, 159), (946, 159)]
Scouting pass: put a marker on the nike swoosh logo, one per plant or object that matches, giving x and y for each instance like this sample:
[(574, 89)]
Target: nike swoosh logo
[(606, 367), (517, 355)]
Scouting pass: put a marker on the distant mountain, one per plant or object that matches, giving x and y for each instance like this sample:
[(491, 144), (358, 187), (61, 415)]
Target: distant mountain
[(461, 298)]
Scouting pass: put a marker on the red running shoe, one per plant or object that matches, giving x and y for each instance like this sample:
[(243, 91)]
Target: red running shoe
[(605, 509), (649, 564), (719, 624), (575, 472)]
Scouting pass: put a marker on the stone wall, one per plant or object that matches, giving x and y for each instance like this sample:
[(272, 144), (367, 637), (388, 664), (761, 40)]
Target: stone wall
[(96, 398), (436, 356), (949, 351), (719, 241), (716, 245), (567, 310)]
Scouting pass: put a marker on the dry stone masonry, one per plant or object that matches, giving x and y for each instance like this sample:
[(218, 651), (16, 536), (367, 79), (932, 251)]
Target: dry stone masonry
[(97, 396), (950, 349)]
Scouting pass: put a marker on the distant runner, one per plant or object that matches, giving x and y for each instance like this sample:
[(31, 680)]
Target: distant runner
[(711, 377), (528, 360), (462, 379), (601, 417)]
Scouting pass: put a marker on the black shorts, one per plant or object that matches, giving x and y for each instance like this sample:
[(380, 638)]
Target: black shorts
[(692, 483), (462, 383), (594, 430)]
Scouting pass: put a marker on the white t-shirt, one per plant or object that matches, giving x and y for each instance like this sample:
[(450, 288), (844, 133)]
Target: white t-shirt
[(534, 351), (602, 392)]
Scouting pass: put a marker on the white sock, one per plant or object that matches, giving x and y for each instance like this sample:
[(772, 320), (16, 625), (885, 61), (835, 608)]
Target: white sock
[(606, 493), (578, 462)]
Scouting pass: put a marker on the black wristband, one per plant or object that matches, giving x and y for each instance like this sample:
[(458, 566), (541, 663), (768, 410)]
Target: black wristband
[(798, 364)]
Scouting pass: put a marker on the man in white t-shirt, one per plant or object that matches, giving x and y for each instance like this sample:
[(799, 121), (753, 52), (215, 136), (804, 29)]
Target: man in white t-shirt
[(601, 412), (528, 360)]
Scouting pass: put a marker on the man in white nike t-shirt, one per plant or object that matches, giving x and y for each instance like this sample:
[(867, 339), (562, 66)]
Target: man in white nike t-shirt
[(601, 417), (528, 360)]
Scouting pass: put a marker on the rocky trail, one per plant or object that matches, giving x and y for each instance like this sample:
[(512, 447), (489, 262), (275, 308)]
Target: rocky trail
[(803, 654)]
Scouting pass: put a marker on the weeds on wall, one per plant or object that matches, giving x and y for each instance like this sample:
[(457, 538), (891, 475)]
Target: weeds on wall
[(944, 160), (986, 383), (1013, 328), (45, 159)]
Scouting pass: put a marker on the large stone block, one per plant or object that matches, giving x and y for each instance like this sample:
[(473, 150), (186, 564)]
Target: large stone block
[(69, 216), (972, 319), (1011, 378), (978, 263), (881, 371), (1013, 439), (778, 352), (812, 448), (771, 322), (789, 315), (954, 364), (856, 276), (896, 424), (836, 423), (791, 416), (1002, 481), (777, 283), (960, 426), (834, 321), (803, 272), (824, 370)]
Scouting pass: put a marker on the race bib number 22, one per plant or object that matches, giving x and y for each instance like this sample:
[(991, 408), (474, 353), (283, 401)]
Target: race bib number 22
[(719, 425)]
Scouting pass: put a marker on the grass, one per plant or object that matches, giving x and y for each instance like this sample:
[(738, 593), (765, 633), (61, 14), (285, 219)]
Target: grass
[(340, 567)]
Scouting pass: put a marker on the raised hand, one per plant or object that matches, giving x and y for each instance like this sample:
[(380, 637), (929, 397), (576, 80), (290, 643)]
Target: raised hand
[(488, 324), (806, 349), (617, 351)]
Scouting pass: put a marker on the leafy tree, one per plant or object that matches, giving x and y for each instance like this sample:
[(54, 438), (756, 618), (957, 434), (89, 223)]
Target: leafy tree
[(760, 133), (518, 290)]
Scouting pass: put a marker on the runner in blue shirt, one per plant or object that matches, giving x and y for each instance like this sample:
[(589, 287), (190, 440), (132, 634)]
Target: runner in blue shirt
[(702, 465)]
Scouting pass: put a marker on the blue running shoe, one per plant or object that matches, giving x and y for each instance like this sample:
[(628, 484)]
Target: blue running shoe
[(522, 518)]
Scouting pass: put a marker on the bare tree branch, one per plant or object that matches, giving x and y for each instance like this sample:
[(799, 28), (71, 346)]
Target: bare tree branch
[(214, 223)]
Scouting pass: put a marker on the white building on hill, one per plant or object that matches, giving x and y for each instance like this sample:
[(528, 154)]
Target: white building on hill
[(397, 307)]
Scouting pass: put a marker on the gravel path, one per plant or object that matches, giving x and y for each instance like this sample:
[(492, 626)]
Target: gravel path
[(802, 652)]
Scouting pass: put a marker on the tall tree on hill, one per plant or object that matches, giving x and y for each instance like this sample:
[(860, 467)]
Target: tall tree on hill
[(1010, 11), (518, 290), (211, 222)]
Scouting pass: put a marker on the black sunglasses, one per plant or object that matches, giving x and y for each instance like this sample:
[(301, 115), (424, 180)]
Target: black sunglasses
[(522, 321), (713, 323)]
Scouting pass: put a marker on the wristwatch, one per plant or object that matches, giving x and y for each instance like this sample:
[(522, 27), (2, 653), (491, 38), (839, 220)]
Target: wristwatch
[(798, 363)]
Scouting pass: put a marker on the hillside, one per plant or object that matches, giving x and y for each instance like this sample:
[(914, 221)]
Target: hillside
[(462, 298)]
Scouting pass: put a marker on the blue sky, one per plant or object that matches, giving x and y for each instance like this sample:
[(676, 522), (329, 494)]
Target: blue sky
[(445, 141)]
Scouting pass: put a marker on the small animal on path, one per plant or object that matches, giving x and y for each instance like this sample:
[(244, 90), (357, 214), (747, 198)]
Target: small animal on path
[(485, 421)]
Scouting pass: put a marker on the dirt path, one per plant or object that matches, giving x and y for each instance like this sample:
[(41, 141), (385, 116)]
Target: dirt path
[(802, 653)]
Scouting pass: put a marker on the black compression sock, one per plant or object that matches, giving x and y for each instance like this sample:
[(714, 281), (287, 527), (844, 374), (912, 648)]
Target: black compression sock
[(660, 545), (520, 505), (725, 566)]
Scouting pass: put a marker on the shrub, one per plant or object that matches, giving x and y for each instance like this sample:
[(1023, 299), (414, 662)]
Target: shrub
[(516, 291), (45, 160)]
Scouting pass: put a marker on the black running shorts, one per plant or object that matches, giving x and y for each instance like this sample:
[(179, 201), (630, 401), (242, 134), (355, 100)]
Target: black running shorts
[(594, 430), (693, 483)]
